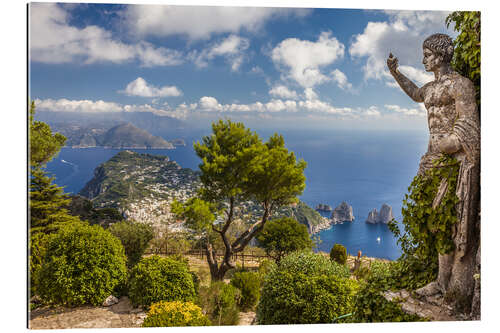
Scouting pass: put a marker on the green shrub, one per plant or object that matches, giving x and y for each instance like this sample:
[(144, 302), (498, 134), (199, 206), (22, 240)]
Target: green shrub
[(156, 279), (338, 254), (370, 305), (82, 264), (135, 238), (308, 262), (220, 302), (306, 288), (265, 267), (282, 236), (38, 247), (249, 285), (168, 314)]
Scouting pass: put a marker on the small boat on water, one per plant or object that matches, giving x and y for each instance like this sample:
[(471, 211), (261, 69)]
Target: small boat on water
[(378, 239)]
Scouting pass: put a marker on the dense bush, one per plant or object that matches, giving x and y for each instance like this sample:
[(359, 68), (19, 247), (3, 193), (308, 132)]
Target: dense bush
[(308, 262), (167, 314), (220, 301), (82, 264), (156, 279), (38, 247), (135, 238), (306, 288), (282, 236), (338, 254), (249, 285), (370, 305), (265, 267)]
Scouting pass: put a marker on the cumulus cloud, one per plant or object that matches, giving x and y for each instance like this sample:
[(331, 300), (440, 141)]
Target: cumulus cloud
[(89, 106), (418, 111), (139, 87), (283, 91), (66, 105), (231, 48), (310, 94), (403, 35), (53, 40), (201, 22), (341, 80), (302, 60)]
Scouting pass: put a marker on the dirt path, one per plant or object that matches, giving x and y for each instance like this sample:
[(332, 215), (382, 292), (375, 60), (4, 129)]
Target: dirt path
[(121, 314)]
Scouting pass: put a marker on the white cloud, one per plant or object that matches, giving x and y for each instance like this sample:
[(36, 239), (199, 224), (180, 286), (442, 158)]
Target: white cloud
[(301, 60), (89, 106), (419, 111), (208, 103), (202, 21), (231, 48), (372, 111), (402, 35), (53, 40), (66, 105), (341, 80), (310, 94), (283, 91), (139, 87)]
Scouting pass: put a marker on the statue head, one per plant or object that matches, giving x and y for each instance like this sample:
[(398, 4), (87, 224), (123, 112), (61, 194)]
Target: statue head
[(439, 49)]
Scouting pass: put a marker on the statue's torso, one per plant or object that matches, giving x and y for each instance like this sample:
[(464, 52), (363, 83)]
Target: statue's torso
[(441, 110)]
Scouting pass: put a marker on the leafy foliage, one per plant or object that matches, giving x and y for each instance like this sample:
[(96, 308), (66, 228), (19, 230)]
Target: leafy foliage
[(306, 288), (168, 314), (467, 55), (309, 262), (156, 279), (369, 303), (135, 238), (249, 285), (238, 167), (220, 301), (338, 254), (427, 230), (82, 265), (283, 236), (43, 145)]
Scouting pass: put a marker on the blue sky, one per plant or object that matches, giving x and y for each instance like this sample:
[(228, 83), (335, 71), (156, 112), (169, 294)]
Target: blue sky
[(264, 66)]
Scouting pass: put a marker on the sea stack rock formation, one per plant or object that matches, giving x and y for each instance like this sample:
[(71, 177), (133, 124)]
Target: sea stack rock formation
[(372, 216), (384, 216), (324, 207), (343, 213)]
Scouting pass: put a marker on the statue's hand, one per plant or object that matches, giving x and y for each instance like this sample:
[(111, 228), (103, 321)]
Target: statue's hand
[(392, 63)]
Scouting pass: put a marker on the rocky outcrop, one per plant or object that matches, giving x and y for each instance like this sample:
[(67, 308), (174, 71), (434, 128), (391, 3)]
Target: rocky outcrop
[(343, 213), (324, 207), (372, 216), (384, 216)]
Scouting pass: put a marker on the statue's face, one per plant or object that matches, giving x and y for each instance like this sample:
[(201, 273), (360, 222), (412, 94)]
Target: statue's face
[(431, 60)]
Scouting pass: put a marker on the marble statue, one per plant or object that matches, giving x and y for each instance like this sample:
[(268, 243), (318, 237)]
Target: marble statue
[(454, 129)]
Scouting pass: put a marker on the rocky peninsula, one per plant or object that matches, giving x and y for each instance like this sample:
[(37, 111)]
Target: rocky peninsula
[(143, 186)]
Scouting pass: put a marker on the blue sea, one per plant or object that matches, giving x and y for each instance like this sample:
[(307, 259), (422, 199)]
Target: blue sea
[(364, 168)]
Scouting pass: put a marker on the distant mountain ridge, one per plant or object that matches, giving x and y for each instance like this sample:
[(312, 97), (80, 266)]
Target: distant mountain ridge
[(124, 135)]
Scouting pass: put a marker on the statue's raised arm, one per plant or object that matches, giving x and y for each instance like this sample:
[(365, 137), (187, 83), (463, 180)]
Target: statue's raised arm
[(406, 84)]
